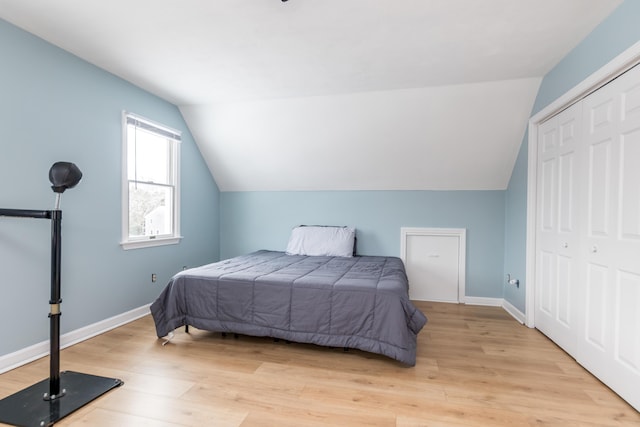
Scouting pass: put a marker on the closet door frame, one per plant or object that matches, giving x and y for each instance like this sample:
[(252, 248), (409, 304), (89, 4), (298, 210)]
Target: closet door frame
[(617, 66)]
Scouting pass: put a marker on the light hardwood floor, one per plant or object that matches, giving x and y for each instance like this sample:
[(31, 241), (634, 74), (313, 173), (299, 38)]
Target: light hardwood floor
[(476, 367)]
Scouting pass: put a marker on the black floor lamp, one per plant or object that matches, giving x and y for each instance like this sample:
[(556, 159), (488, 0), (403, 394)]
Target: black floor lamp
[(50, 400)]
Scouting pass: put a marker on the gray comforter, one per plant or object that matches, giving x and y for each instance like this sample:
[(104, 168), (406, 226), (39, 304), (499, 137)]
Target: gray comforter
[(360, 302)]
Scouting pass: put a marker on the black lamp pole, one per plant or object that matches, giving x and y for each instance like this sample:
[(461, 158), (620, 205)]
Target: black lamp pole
[(48, 401), (54, 303)]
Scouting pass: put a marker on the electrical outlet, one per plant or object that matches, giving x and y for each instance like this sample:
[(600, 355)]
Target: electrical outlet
[(154, 277)]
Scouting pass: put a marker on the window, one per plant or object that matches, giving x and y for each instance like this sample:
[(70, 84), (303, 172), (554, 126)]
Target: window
[(150, 183)]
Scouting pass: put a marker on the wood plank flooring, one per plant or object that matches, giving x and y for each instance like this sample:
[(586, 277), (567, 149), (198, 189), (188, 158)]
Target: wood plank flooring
[(476, 367)]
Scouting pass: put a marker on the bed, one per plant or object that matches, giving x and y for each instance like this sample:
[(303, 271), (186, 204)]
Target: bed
[(357, 302)]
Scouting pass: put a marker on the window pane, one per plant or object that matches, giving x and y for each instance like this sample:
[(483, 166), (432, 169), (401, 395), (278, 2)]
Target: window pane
[(149, 156), (150, 210)]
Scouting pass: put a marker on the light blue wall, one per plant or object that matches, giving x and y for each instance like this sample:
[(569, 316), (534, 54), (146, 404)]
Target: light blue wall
[(515, 231), (263, 220), (54, 106), (613, 36)]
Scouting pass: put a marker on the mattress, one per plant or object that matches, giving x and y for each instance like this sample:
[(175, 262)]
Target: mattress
[(357, 302)]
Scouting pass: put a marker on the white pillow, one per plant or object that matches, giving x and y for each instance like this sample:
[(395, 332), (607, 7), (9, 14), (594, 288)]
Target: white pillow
[(322, 241)]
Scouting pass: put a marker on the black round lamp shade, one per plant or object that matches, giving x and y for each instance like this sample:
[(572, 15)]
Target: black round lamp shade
[(64, 175)]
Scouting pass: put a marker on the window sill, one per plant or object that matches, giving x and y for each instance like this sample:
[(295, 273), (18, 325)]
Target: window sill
[(139, 244)]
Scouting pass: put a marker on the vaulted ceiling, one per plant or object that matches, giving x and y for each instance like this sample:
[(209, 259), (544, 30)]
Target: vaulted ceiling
[(333, 94)]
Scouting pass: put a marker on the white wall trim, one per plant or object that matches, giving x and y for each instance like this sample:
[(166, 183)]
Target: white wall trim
[(532, 206), (493, 302), (498, 302), (460, 233), (513, 311), (621, 63), (21, 357)]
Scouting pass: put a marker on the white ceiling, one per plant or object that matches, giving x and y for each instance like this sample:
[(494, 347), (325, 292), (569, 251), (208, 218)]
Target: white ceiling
[(333, 94)]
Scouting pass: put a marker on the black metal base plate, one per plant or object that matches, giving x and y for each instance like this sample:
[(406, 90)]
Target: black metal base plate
[(28, 408)]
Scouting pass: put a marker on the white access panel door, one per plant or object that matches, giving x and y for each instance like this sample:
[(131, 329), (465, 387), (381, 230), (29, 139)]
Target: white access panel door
[(432, 259), (609, 344)]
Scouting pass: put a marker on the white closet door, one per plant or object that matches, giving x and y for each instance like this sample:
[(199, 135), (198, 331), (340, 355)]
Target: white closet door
[(600, 110), (557, 311), (609, 344), (546, 225)]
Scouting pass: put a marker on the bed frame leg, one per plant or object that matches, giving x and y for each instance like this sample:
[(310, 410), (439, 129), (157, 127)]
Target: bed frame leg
[(224, 335), (345, 349), (186, 329)]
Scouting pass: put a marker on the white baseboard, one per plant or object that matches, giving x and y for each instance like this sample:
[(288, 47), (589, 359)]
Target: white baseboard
[(513, 311), (22, 357), (493, 302), (497, 302)]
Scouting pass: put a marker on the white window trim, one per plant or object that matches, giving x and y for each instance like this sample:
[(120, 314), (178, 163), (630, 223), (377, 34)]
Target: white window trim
[(147, 242)]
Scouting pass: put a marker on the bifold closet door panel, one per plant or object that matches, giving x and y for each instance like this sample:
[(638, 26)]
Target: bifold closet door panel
[(600, 126), (546, 226), (559, 154), (625, 246), (609, 344)]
